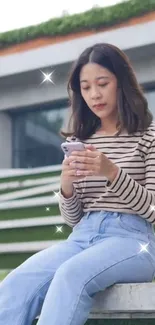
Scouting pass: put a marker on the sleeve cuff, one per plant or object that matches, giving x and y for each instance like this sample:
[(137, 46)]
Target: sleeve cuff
[(64, 199)]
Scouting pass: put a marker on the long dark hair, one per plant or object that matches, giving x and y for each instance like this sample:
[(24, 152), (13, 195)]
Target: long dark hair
[(133, 112)]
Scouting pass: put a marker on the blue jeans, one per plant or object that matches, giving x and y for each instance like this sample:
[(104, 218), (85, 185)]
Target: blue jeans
[(60, 282)]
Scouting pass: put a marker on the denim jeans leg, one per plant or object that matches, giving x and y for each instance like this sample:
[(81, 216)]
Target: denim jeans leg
[(71, 294), (23, 291)]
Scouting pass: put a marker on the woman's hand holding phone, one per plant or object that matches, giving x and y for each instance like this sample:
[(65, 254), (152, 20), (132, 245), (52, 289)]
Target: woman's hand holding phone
[(69, 174), (87, 161)]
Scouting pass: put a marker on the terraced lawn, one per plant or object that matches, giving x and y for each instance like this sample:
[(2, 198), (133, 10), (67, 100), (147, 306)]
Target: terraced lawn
[(3, 274), (38, 233), (12, 190), (12, 260), (30, 212), (42, 194)]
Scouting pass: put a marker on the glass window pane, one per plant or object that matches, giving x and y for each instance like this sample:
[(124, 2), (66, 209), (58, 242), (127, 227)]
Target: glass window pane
[(36, 139), (150, 95)]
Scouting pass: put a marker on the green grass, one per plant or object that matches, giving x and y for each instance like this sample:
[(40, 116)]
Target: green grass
[(30, 212), (42, 194), (30, 196), (12, 260), (91, 20), (3, 274), (38, 233)]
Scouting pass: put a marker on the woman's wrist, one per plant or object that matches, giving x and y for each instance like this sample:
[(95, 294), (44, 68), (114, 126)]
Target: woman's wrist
[(112, 175), (67, 194)]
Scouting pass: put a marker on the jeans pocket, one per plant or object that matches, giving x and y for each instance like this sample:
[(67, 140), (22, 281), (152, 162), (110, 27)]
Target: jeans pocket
[(132, 223)]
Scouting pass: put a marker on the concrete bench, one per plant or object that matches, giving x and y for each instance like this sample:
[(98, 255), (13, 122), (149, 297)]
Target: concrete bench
[(128, 301), (125, 301)]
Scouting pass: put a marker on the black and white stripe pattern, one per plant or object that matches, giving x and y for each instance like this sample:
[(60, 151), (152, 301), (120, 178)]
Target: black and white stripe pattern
[(132, 191)]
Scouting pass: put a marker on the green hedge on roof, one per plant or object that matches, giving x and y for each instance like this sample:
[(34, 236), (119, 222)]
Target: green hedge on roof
[(93, 19)]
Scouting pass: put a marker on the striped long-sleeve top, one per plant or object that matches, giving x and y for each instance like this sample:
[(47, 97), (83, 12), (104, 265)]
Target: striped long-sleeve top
[(133, 189)]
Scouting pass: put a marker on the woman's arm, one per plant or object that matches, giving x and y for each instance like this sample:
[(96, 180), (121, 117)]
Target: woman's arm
[(140, 199), (70, 208)]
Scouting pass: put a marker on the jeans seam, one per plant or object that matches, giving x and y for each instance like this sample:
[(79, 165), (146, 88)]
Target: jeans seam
[(29, 302), (91, 278)]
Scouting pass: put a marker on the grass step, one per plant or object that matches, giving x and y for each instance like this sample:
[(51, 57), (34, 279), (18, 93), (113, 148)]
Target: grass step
[(29, 212), (12, 260), (38, 233), (12, 190), (3, 274)]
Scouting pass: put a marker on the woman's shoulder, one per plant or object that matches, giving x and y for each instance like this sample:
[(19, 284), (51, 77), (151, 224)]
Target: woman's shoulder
[(150, 131), (148, 138)]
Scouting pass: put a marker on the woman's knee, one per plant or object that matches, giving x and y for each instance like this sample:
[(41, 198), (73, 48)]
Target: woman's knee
[(72, 273)]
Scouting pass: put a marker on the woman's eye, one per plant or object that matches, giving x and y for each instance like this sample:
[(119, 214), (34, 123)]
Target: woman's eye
[(102, 85)]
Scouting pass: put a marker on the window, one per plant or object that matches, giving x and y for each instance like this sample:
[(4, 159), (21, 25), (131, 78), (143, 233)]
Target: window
[(150, 95), (36, 139)]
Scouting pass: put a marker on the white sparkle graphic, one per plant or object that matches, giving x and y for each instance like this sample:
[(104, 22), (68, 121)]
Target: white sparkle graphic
[(56, 194), (152, 207), (59, 228), (144, 248), (47, 77), (47, 209)]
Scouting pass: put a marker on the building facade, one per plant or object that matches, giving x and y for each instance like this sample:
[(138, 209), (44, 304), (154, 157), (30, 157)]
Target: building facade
[(32, 111)]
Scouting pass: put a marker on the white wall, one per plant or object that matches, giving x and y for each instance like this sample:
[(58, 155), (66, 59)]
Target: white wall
[(26, 89)]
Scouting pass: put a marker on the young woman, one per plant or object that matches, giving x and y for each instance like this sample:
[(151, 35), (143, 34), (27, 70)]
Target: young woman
[(107, 194)]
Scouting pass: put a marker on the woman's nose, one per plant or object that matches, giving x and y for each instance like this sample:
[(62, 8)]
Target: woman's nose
[(95, 94)]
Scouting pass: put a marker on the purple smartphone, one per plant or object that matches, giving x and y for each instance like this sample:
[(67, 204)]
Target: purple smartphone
[(68, 147)]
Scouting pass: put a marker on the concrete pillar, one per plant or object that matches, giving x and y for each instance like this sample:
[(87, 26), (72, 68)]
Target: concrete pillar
[(5, 140)]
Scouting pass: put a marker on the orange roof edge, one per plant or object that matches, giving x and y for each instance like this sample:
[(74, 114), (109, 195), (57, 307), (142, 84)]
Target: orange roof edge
[(44, 41)]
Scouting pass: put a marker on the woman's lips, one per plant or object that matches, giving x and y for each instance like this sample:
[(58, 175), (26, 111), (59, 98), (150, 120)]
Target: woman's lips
[(100, 106)]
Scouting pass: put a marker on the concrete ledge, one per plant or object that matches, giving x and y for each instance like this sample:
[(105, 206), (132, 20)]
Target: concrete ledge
[(125, 301), (32, 222), (28, 192), (13, 172), (28, 182), (30, 202), (132, 300), (27, 246)]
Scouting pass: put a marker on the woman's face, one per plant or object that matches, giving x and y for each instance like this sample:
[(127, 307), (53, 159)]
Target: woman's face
[(99, 86)]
